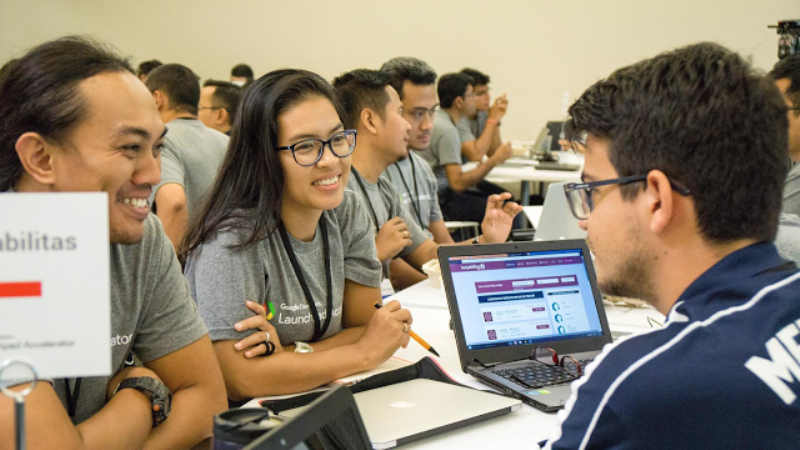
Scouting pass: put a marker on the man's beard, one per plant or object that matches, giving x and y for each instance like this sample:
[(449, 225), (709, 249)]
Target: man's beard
[(633, 275)]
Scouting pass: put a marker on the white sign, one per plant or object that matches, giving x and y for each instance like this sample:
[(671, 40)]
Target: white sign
[(54, 283)]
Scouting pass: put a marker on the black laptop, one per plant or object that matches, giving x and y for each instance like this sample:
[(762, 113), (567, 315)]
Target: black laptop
[(507, 299)]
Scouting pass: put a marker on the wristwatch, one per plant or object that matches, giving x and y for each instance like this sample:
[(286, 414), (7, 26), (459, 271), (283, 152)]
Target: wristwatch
[(302, 347), (160, 397)]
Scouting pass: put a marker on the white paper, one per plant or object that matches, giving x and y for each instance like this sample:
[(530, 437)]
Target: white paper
[(59, 242)]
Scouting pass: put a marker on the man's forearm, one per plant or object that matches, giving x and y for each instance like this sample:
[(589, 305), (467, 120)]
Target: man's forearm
[(125, 422), (175, 223)]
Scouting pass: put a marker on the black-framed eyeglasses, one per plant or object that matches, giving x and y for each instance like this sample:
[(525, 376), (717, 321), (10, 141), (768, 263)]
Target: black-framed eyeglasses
[(210, 107), (581, 202), (309, 151), (549, 357)]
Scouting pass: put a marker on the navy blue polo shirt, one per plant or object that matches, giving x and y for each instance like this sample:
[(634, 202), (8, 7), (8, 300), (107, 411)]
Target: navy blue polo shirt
[(724, 371)]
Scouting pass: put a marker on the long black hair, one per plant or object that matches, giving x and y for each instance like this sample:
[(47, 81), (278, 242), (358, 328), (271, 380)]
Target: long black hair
[(248, 190)]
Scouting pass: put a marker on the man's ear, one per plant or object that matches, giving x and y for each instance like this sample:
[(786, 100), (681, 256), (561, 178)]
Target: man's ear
[(659, 201), (35, 155), (223, 117), (162, 102), (369, 120)]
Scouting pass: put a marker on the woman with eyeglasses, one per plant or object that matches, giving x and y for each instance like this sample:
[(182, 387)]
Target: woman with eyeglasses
[(279, 236)]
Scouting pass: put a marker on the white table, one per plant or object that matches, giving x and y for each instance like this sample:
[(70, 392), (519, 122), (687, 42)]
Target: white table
[(513, 173), (519, 430)]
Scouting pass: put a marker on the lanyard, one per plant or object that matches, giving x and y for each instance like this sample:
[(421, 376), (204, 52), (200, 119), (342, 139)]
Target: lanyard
[(287, 245), (415, 196), (366, 199), (72, 396)]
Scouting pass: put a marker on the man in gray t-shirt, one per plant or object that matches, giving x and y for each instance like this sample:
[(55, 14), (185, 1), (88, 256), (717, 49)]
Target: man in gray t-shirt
[(415, 182), (400, 240), (458, 202), (192, 152), (111, 147), (221, 277)]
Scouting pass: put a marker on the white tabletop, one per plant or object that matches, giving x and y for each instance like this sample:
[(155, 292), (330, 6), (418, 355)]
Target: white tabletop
[(513, 172)]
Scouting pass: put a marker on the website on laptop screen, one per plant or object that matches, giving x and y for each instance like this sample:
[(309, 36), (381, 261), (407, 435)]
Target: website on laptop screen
[(524, 298)]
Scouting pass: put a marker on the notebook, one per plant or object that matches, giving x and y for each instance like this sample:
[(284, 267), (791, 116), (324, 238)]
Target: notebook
[(557, 221), (411, 410), (506, 299)]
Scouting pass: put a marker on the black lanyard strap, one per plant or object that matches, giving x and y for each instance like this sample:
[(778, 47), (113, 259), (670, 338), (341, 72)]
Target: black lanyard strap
[(287, 246), (366, 199), (415, 201), (72, 396)]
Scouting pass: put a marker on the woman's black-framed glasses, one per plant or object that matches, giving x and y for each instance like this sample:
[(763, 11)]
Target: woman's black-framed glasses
[(549, 357), (309, 151), (581, 202)]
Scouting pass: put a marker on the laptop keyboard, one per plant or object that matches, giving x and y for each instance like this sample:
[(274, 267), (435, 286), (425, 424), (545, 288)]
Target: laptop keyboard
[(537, 375)]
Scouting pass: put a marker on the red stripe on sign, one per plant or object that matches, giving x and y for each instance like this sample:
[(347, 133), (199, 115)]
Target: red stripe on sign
[(27, 289)]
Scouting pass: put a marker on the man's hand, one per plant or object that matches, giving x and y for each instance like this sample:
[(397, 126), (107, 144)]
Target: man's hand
[(499, 217), (392, 238), (255, 344), (385, 333), (502, 153), (498, 109)]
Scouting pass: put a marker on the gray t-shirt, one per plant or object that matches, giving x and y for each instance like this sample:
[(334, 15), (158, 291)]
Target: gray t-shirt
[(152, 314), (791, 192), (788, 238), (445, 147), (414, 180), (191, 157), (471, 129), (383, 200), (222, 278)]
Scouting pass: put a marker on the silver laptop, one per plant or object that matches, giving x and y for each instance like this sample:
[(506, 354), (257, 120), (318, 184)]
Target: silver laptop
[(507, 299), (408, 411), (557, 221), (405, 412)]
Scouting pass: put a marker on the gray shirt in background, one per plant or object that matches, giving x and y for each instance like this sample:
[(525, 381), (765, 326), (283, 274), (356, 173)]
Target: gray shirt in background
[(418, 195), (445, 147), (152, 314), (791, 192), (788, 238), (191, 157), (222, 278), (384, 201), (471, 129)]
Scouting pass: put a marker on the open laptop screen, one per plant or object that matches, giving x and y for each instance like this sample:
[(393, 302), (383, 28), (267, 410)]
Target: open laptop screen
[(524, 298)]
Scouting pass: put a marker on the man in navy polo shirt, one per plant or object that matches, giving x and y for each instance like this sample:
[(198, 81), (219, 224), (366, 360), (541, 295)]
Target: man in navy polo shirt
[(685, 163)]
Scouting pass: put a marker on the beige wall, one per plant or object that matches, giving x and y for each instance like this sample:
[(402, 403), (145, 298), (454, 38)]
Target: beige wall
[(533, 50)]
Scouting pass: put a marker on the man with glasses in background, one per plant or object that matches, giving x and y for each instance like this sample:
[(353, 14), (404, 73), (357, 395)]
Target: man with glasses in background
[(674, 145), (218, 103), (457, 200)]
